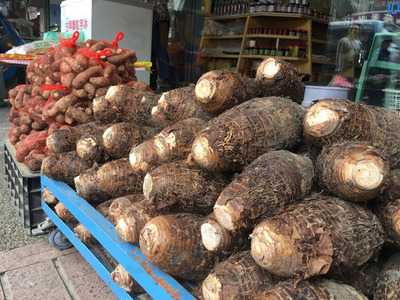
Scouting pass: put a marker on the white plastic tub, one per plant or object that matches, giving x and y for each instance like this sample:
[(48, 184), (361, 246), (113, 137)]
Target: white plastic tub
[(313, 93)]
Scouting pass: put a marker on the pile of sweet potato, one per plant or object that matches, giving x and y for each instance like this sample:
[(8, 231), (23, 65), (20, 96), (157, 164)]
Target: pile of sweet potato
[(61, 87)]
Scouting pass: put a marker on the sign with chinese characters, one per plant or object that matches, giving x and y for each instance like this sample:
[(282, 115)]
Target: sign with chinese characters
[(76, 15), (393, 7)]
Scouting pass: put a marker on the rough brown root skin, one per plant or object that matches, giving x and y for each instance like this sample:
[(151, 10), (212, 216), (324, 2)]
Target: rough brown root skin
[(317, 290), (131, 222), (238, 277), (83, 234), (342, 236), (389, 214), (264, 188), (392, 192), (177, 185), (219, 90), (279, 78), (177, 105), (48, 197), (353, 171), (172, 143), (120, 206), (117, 178), (89, 148), (143, 156), (86, 185), (388, 283), (119, 138), (334, 121), (64, 166), (241, 134), (165, 236), (126, 104), (63, 212)]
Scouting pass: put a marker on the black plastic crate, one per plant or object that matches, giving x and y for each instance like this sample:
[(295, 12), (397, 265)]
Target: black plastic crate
[(24, 188)]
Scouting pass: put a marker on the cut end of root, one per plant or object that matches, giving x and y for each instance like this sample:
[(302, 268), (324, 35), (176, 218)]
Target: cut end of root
[(271, 67), (112, 91), (321, 121), (211, 236), (137, 161), (225, 217), (122, 277), (274, 252), (154, 110), (203, 154), (151, 240), (205, 90), (367, 175), (148, 187), (211, 288), (126, 230)]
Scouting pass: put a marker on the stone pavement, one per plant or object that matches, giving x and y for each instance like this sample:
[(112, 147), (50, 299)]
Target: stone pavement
[(40, 272)]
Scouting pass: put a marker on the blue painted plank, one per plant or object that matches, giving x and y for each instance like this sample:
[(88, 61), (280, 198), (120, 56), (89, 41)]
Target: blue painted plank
[(86, 254), (156, 283)]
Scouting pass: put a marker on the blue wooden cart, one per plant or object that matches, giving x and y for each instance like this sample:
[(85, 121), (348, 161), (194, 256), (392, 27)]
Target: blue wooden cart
[(156, 283)]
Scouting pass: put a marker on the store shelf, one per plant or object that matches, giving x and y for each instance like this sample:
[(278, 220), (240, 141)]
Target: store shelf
[(274, 36), (322, 62), (155, 282), (278, 57), (235, 56), (230, 17), (223, 37)]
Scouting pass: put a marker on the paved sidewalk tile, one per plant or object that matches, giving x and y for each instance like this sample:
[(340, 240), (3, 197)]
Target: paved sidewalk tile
[(81, 280), (39, 281), (28, 255)]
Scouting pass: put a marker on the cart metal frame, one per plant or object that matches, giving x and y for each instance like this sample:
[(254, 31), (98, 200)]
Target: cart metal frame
[(155, 282)]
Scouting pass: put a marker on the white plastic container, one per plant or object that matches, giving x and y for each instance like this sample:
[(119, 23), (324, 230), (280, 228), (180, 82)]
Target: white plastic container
[(313, 93)]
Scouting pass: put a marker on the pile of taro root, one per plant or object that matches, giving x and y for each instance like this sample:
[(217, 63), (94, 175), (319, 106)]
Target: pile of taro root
[(237, 191), (60, 89)]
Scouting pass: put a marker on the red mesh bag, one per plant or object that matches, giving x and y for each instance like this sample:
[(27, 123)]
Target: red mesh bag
[(35, 140)]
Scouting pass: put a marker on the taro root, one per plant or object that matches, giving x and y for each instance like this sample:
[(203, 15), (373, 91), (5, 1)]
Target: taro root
[(120, 206), (63, 212), (173, 243), (172, 143), (392, 192), (265, 188), (238, 277), (122, 103), (64, 166), (80, 230), (90, 148), (177, 105), (119, 138), (129, 224), (318, 235), (389, 214), (318, 290), (281, 79), (115, 179), (333, 121), (178, 185), (353, 171), (48, 197), (219, 90), (241, 134), (65, 139), (124, 280), (217, 239), (86, 185), (388, 283)]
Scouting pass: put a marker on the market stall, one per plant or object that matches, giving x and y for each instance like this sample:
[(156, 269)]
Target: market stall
[(227, 188)]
